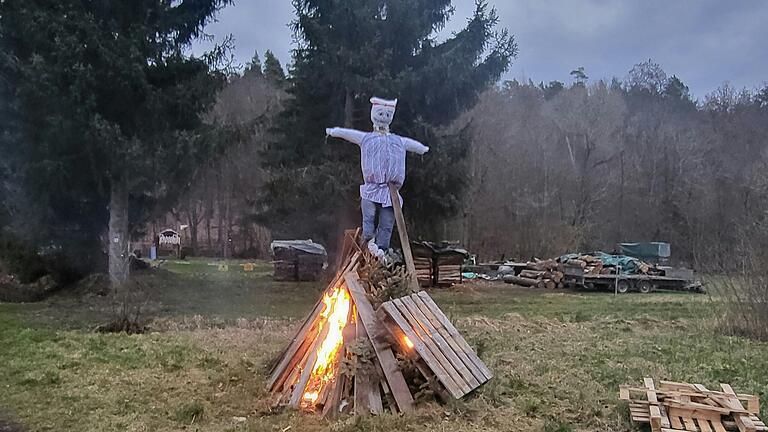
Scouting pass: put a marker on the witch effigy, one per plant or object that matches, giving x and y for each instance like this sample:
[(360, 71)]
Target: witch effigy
[(382, 159)]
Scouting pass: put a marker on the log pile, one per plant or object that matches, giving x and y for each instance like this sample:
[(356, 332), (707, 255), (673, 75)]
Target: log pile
[(448, 264), (681, 407), (423, 256), (539, 274), (601, 263), (373, 344)]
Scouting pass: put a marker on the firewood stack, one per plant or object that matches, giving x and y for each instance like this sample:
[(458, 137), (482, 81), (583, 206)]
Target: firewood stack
[(593, 264), (371, 344), (540, 274), (438, 264), (423, 256)]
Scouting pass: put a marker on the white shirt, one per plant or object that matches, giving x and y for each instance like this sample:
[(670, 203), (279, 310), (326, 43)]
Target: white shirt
[(382, 161)]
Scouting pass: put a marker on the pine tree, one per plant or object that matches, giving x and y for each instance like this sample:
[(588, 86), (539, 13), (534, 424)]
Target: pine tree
[(111, 107), (254, 65), (348, 51), (273, 70)]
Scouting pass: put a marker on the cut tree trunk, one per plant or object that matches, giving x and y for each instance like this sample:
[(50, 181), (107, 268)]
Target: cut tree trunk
[(118, 234), (517, 280)]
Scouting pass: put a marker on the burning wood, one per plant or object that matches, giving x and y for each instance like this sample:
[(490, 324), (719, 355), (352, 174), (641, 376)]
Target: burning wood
[(344, 358)]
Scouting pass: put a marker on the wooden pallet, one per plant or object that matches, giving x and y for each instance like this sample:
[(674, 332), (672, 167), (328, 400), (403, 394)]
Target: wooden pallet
[(423, 330), (682, 407)]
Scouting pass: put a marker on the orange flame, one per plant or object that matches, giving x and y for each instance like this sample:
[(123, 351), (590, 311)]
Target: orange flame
[(407, 342), (335, 313)]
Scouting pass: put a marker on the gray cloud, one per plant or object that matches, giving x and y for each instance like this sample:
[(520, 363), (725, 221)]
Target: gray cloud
[(704, 42)]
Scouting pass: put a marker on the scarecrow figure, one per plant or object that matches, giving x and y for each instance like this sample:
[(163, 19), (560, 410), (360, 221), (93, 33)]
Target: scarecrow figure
[(382, 159)]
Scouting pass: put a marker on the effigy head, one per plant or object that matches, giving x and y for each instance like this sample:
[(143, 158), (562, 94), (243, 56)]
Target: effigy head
[(382, 112)]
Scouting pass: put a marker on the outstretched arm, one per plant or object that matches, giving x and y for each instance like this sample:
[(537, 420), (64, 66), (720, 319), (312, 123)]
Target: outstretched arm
[(414, 146), (351, 135)]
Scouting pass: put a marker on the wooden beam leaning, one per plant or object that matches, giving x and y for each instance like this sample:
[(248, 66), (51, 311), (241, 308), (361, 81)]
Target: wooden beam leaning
[(298, 391), (367, 395), (404, 242), (377, 335)]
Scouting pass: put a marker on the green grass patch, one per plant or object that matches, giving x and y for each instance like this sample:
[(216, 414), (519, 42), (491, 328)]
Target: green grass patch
[(557, 358)]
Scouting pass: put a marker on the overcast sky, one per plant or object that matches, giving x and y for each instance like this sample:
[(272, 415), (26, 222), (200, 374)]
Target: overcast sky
[(703, 42)]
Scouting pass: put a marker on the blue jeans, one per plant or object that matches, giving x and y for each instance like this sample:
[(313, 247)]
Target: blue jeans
[(386, 222)]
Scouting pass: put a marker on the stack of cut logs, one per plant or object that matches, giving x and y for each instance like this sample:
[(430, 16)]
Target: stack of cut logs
[(448, 265), (541, 274), (422, 260), (438, 264), (592, 265)]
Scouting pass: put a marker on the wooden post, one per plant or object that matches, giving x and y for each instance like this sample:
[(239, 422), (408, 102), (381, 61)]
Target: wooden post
[(404, 242)]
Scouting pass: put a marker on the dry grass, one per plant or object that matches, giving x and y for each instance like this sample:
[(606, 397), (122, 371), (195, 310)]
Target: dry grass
[(558, 360)]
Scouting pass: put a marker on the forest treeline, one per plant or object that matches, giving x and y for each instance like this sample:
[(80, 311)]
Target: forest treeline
[(111, 130), (582, 167), (556, 167)]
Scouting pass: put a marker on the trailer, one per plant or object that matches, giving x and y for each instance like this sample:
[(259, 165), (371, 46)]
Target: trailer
[(673, 280)]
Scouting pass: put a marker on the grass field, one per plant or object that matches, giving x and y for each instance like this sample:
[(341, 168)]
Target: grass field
[(558, 357)]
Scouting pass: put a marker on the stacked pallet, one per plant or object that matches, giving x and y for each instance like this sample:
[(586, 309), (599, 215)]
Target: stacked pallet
[(682, 407), (438, 264), (448, 267), (540, 274)]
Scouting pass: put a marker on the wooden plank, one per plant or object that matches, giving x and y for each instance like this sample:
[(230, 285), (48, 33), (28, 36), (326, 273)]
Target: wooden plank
[(704, 425), (675, 420), (718, 427), (664, 417), (367, 395), (377, 336), (474, 370), (744, 423), (689, 424), (441, 343), (651, 392), (349, 333), (404, 242), (293, 347), (753, 403), (287, 361), (623, 393), (456, 335), (655, 416), (423, 350), (306, 372)]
